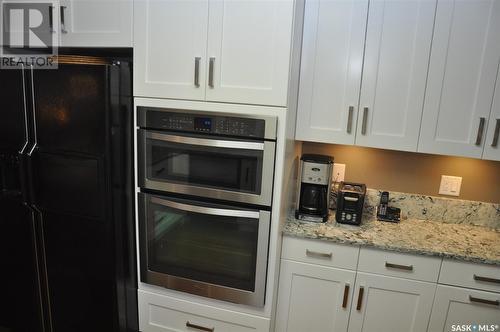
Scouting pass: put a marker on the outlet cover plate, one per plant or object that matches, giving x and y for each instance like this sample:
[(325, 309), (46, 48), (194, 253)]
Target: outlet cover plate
[(338, 172), (450, 185)]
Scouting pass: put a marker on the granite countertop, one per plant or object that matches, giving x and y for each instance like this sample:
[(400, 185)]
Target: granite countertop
[(456, 241)]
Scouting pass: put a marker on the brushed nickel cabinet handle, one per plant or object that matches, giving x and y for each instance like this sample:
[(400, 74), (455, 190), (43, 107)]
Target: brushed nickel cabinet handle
[(349, 119), (480, 131), (483, 301), (399, 266), (365, 120), (486, 279), (346, 295), (63, 20), (494, 144), (318, 254), (199, 327), (211, 72), (360, 298), (197, 71)]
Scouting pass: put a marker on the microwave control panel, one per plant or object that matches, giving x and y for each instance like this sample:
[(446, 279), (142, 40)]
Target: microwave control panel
[(206, 124)]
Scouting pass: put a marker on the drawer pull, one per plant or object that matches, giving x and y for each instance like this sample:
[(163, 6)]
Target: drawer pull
[(398, 266), (198, 327), (360, 298), (346, 296), (486, 279), (478, 300), (318, 254)]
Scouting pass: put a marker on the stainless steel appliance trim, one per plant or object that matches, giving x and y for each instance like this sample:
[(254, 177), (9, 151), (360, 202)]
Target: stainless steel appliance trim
[(349, 119), (264, 198), (271, 122), (205, 210), (197, 71), (206, 141), (255, 298), (211, 66), (35, 135), (480, 131), (351, 199), (365, 121), (494, 143)]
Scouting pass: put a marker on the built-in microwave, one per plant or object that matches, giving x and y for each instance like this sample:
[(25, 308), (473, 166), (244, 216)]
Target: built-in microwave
[(207, 155)]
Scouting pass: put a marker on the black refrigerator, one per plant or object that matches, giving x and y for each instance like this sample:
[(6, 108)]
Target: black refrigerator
[(67, 239)]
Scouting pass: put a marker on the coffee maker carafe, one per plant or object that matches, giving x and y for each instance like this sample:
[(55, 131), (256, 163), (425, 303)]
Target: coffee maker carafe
[(314, 191)]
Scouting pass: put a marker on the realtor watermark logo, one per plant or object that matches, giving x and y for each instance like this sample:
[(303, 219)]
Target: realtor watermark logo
[(27, 35)]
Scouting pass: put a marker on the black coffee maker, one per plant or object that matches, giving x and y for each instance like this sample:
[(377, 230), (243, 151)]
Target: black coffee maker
[(314, 191)]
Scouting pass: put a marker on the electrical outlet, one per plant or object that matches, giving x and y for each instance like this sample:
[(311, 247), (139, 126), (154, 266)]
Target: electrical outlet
[(450, 185), (338, 172)]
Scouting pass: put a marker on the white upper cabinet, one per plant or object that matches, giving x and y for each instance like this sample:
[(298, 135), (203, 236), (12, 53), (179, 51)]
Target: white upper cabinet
[(398, 42), (364, 71), (96, 23), (463, 68), (330, 74), (214, 50), (390, 304), (170, 48), (492, 143), (249, 51)]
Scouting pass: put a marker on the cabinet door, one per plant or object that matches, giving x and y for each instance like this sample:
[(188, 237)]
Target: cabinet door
[(398, 43), (462, 72), (170, 41), (492, 143), (96, 23), (390, 304), (313, 298), (249, 51), (462, 306), (330, 74)]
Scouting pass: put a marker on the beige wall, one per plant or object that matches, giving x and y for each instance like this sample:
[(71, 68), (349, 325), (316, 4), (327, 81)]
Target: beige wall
[(414, 172)]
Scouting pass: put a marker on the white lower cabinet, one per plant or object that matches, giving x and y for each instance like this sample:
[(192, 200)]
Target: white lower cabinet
[(159, 313), (313, 298), (462, 309), (385, 304)]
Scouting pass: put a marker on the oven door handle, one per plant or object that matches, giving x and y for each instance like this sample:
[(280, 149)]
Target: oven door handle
[(206, 210), (243, 145)]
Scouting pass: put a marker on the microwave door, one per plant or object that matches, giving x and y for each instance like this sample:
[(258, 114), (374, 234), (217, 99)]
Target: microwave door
[(231, 170)]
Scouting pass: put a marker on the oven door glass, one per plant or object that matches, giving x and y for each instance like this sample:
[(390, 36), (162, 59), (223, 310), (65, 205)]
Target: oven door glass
[(209, 244), (226, 169)]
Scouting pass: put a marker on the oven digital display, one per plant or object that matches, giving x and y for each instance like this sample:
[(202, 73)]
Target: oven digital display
[(204, 124)]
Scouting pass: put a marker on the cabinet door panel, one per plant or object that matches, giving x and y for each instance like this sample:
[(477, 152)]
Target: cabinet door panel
[(250, 43), (492, 143), (96, 23), (462, 72), (453, 306), (330, 74), (168, 37), (398, 42), (311, 297), (391, 304)]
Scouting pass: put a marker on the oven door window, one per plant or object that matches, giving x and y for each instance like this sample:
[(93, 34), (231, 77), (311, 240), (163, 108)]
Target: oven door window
[(234, 169), (193, 242)]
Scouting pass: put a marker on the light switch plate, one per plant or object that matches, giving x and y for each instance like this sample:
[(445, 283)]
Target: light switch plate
[(450, 185), (338, 172)]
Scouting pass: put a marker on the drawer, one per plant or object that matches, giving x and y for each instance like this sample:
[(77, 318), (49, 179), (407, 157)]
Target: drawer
[(320, 252), (470, 275), (400, 265), (158, 313)]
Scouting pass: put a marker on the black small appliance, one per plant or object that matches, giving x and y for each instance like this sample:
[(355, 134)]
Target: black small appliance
[(350, 202), (316, 174), (386, 212)]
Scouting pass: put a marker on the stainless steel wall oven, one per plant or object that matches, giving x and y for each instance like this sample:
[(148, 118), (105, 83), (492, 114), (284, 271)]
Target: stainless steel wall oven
[(204, 209)]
